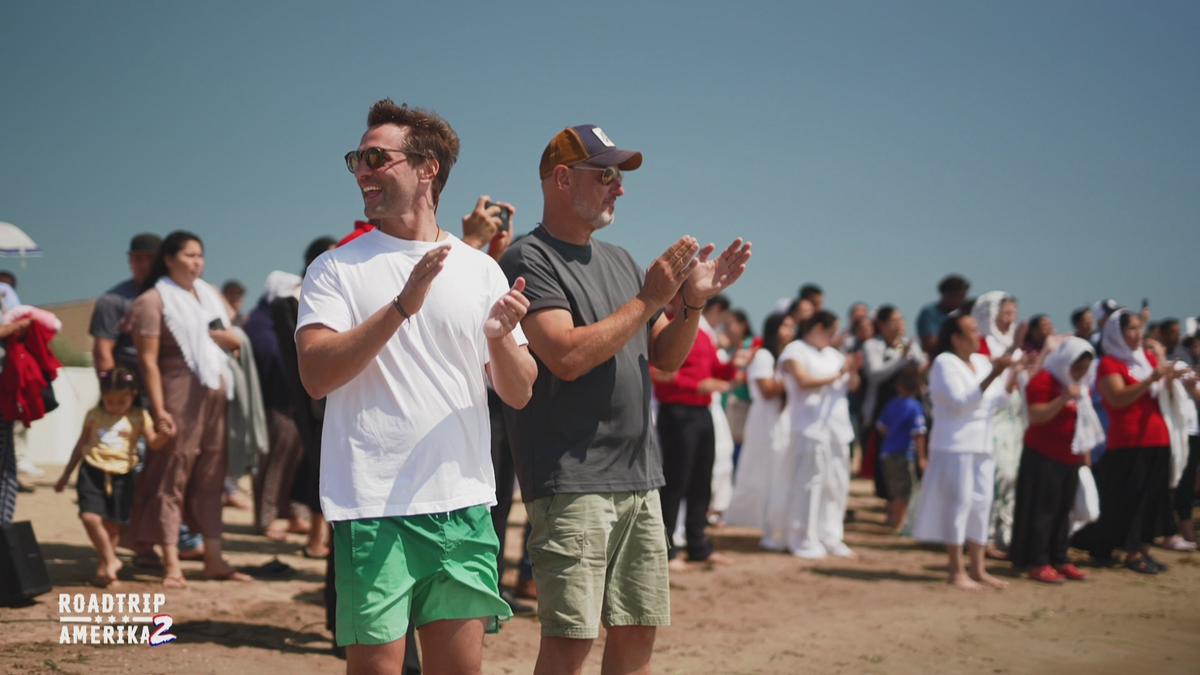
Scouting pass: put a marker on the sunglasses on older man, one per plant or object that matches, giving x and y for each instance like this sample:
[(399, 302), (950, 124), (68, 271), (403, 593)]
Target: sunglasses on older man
[(610, 174), (375, 157)]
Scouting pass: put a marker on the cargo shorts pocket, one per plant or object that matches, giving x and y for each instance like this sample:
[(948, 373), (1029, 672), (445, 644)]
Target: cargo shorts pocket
[(558, 530)]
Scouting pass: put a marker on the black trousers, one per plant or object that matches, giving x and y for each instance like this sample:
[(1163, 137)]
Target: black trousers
[(1185, 492), (689, 448), (1132, 483), (1042, 517), (502, 463)]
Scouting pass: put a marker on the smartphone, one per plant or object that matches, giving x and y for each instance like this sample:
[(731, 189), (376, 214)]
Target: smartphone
[(504, 214), (215, 324), (1145, 303)]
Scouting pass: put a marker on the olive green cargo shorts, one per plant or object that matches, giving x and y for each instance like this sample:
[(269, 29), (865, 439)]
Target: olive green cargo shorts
[(599, 558)]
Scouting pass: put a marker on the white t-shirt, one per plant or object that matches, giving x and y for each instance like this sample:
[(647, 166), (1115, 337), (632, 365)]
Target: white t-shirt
[(821, 413), (762, 367), (411, 433)]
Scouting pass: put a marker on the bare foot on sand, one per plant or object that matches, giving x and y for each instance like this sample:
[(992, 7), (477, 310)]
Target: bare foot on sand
[(299, 526), (964, 582), (225, 573), (106, 575), (102, 580), (989, 580), (719, 559), (677, 565)]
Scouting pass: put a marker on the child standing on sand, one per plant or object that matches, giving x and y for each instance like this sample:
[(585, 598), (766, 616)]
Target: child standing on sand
[(902, 424), (108, 449)]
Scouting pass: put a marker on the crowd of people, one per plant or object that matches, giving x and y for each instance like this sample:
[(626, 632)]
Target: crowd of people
[(386, 399), (1014, 440)]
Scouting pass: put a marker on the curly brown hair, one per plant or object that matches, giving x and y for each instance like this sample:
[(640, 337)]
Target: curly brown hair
[(429, 137)]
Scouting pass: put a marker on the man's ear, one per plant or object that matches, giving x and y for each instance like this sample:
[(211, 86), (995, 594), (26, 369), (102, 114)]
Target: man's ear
[(562, 177), (429, 169)]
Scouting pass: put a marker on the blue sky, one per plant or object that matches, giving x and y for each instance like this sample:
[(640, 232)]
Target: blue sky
[(1048, 149)]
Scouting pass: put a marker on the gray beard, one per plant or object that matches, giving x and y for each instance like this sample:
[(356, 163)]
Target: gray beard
[(596, 217)]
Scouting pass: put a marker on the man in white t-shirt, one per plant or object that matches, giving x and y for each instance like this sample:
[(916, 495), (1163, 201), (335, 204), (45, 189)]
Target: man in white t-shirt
[(399, 329)]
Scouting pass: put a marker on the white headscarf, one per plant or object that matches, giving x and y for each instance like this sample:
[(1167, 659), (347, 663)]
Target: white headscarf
[(188, 318), (1113, 342), (987, 308), (1088, 431), (281, 284)]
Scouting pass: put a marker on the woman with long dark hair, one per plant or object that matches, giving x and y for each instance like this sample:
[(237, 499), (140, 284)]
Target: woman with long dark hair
[(765, 433), (956, 497), (1133, 475), (180, 327), (815, 472), (1063, 429)]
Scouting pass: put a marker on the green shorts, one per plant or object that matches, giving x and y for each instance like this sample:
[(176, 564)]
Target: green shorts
[(899, 475), (599, 558), (430, 567)]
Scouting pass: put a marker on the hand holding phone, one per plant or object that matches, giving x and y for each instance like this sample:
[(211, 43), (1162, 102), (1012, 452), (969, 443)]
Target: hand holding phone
[(504, 215)]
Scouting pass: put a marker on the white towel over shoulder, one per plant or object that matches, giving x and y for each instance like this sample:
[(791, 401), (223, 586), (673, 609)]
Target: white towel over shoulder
[(188, 321)]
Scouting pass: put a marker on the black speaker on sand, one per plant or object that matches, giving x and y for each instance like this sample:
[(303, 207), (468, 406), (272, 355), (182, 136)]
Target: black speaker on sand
[(23, 574)]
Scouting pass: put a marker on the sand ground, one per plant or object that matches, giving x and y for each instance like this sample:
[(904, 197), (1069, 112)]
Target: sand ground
[(886, 610)]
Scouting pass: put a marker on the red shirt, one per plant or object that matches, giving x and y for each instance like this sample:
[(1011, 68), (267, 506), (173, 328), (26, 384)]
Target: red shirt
[(1052, 439), (701, 363), (361, 227), (1139, 424)]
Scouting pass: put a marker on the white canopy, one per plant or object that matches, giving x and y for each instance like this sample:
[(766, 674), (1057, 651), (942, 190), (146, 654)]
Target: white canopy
[(14, 242)]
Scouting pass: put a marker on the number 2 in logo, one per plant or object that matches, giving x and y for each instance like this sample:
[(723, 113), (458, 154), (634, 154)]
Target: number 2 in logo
[(161, 635)]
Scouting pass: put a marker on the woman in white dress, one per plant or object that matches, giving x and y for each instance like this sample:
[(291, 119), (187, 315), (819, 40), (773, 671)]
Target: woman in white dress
[(765, 432), (965, 387), (815, 472), (996, 314)]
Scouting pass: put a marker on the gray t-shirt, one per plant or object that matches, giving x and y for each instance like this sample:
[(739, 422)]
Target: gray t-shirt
[(110, 309), (593, 434)]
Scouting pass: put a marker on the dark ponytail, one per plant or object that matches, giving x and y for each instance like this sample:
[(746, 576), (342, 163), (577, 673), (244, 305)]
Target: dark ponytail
[(172, 245), (770, 333), (951, 326)]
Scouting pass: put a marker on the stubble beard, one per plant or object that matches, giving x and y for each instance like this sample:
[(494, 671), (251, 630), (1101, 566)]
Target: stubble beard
[(595, 216), (391, 204)]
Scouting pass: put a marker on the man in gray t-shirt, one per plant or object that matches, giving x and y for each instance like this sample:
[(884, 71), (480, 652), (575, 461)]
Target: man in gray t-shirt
[(591, 433), (586, 457), (112, 347)]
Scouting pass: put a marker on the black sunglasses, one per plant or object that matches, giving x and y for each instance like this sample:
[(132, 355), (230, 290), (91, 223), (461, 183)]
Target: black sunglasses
[(376, 157)]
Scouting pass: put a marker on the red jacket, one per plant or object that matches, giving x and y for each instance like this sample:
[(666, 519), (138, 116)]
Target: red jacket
[(701, 363), (30, 362)]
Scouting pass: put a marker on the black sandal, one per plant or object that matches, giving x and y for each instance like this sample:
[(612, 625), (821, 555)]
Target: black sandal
[(1142, 565), (1162, 567)]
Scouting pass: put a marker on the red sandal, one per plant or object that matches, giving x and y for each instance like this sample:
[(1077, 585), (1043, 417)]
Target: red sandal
[(1046, 574), (1072, 572)]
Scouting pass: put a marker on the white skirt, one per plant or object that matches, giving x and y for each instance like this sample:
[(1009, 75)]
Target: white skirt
[(764, 442), (722, 476), (956, 498)]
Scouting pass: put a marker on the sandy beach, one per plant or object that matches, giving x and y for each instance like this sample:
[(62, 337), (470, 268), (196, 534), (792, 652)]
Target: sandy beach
[(887, 610)]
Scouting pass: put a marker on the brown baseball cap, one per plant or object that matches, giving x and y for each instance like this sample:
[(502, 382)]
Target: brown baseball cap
[(586, 143)]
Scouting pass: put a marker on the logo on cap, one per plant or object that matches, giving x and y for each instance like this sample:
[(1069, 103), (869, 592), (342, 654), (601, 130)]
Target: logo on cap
[(603, 137)]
